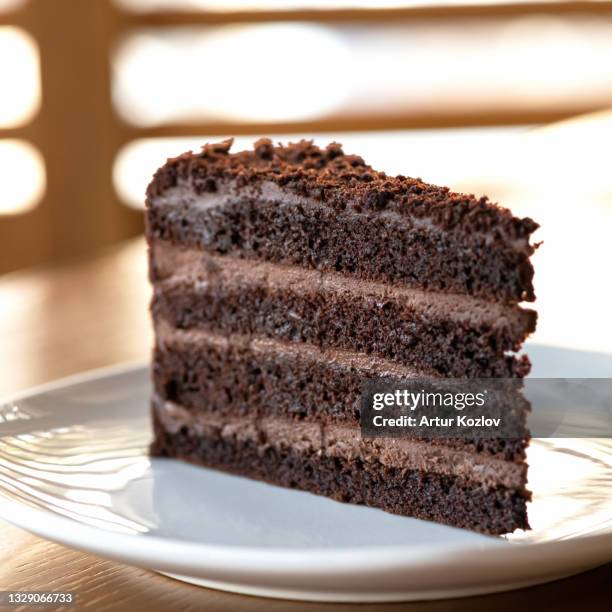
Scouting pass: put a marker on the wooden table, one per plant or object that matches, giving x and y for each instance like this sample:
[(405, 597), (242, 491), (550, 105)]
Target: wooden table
[(92, 313)]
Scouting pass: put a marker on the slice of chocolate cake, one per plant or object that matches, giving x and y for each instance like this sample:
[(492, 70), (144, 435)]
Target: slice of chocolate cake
[(284, 277)]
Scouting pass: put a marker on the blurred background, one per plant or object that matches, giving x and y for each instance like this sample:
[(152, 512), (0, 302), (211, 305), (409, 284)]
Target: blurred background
[(499, 97)]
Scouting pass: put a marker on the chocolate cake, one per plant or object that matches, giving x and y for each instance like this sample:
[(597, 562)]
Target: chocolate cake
[(284, 277)]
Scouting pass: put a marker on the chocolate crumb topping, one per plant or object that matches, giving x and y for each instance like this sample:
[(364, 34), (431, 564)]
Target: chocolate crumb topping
[(340, 181)]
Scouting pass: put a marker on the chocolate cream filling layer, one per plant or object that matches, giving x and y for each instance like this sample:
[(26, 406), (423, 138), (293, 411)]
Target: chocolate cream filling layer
[(342, 441), (269, 223), (451, 334), (259, 346)]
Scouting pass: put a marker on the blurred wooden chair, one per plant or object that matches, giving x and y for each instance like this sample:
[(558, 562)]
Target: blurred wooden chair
[(79, 133)]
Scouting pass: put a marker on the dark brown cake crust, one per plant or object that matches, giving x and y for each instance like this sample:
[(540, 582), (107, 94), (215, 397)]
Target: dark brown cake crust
[(339, 180), (446, 499), (437, 240)]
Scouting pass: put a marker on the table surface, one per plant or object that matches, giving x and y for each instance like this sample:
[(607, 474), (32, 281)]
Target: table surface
[(92, 313)]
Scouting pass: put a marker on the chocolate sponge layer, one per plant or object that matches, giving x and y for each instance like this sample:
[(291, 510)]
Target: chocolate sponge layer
[(389, 248)]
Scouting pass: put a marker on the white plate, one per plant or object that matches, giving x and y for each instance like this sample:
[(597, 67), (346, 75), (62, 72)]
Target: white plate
[(74, 469)]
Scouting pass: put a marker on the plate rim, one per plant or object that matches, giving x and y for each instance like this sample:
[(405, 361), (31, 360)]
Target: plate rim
[(287, 562), (141, 548)]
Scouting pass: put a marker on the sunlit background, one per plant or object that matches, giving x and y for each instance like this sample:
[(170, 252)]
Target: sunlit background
[(486, 96)]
